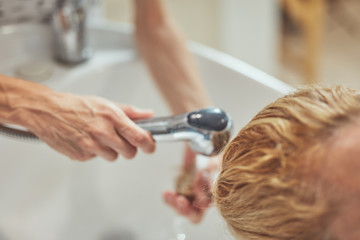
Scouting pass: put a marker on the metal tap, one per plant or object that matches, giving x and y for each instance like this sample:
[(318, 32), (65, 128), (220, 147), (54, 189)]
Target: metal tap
[(69, 25)]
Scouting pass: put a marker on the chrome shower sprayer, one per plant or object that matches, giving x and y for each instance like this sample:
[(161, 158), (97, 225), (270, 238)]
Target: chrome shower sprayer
[(206, 130)]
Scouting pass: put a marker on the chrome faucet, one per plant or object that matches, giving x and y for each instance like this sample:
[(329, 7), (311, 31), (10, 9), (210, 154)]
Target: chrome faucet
[(69, 24)]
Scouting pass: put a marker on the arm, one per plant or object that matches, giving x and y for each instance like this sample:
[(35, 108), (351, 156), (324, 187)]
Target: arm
[(173, 69), (164, 49), (80, 127)]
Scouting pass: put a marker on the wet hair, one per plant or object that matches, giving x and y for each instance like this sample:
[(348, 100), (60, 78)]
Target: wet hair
[(270, 184)]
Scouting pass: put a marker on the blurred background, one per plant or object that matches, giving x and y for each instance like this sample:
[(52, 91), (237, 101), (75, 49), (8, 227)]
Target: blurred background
[(297, 41)]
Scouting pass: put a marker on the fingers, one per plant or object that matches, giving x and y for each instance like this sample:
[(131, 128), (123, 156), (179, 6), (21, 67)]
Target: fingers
[(114, 133), (105, 152), (129, 132), (135, 135), (104, 148), (194, 209), (171, 198), (132, 133), (108, 142), (135, 113), (93, 147), (183, 206), (120, 145), (180, 204)]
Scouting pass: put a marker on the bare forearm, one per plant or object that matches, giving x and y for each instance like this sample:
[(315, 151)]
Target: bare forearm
[(169, 61), (18, 97)]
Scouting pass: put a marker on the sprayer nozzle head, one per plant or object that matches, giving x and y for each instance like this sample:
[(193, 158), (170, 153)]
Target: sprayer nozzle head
[(207, 130), (214, 127)]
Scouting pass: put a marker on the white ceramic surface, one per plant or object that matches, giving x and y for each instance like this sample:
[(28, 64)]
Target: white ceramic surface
[(45, 196)]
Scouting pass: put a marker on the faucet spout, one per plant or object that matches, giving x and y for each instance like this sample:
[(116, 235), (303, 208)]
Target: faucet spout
[(69, 25)]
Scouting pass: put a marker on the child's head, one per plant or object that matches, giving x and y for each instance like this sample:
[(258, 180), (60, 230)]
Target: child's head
[(293, 171)]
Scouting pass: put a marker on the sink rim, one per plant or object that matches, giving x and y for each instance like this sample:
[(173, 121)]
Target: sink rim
[(125, 30)]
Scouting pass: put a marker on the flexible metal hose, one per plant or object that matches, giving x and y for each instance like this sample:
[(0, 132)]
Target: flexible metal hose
[(18, 134)]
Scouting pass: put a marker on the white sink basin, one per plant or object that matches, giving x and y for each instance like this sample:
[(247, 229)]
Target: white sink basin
[(45, 196)]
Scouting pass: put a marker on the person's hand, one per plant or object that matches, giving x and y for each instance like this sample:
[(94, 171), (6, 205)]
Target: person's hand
[(193, 209), (82, 127)]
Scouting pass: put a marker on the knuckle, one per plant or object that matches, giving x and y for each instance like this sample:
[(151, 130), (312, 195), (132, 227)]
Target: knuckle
[(129, 109), (97, 132), (140, 139), (107, 114), (130, 154), (124, 123), (113, 156), (86, 144), (123, 129)]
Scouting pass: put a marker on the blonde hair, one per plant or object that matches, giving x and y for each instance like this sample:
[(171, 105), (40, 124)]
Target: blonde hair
[(269, 186)]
